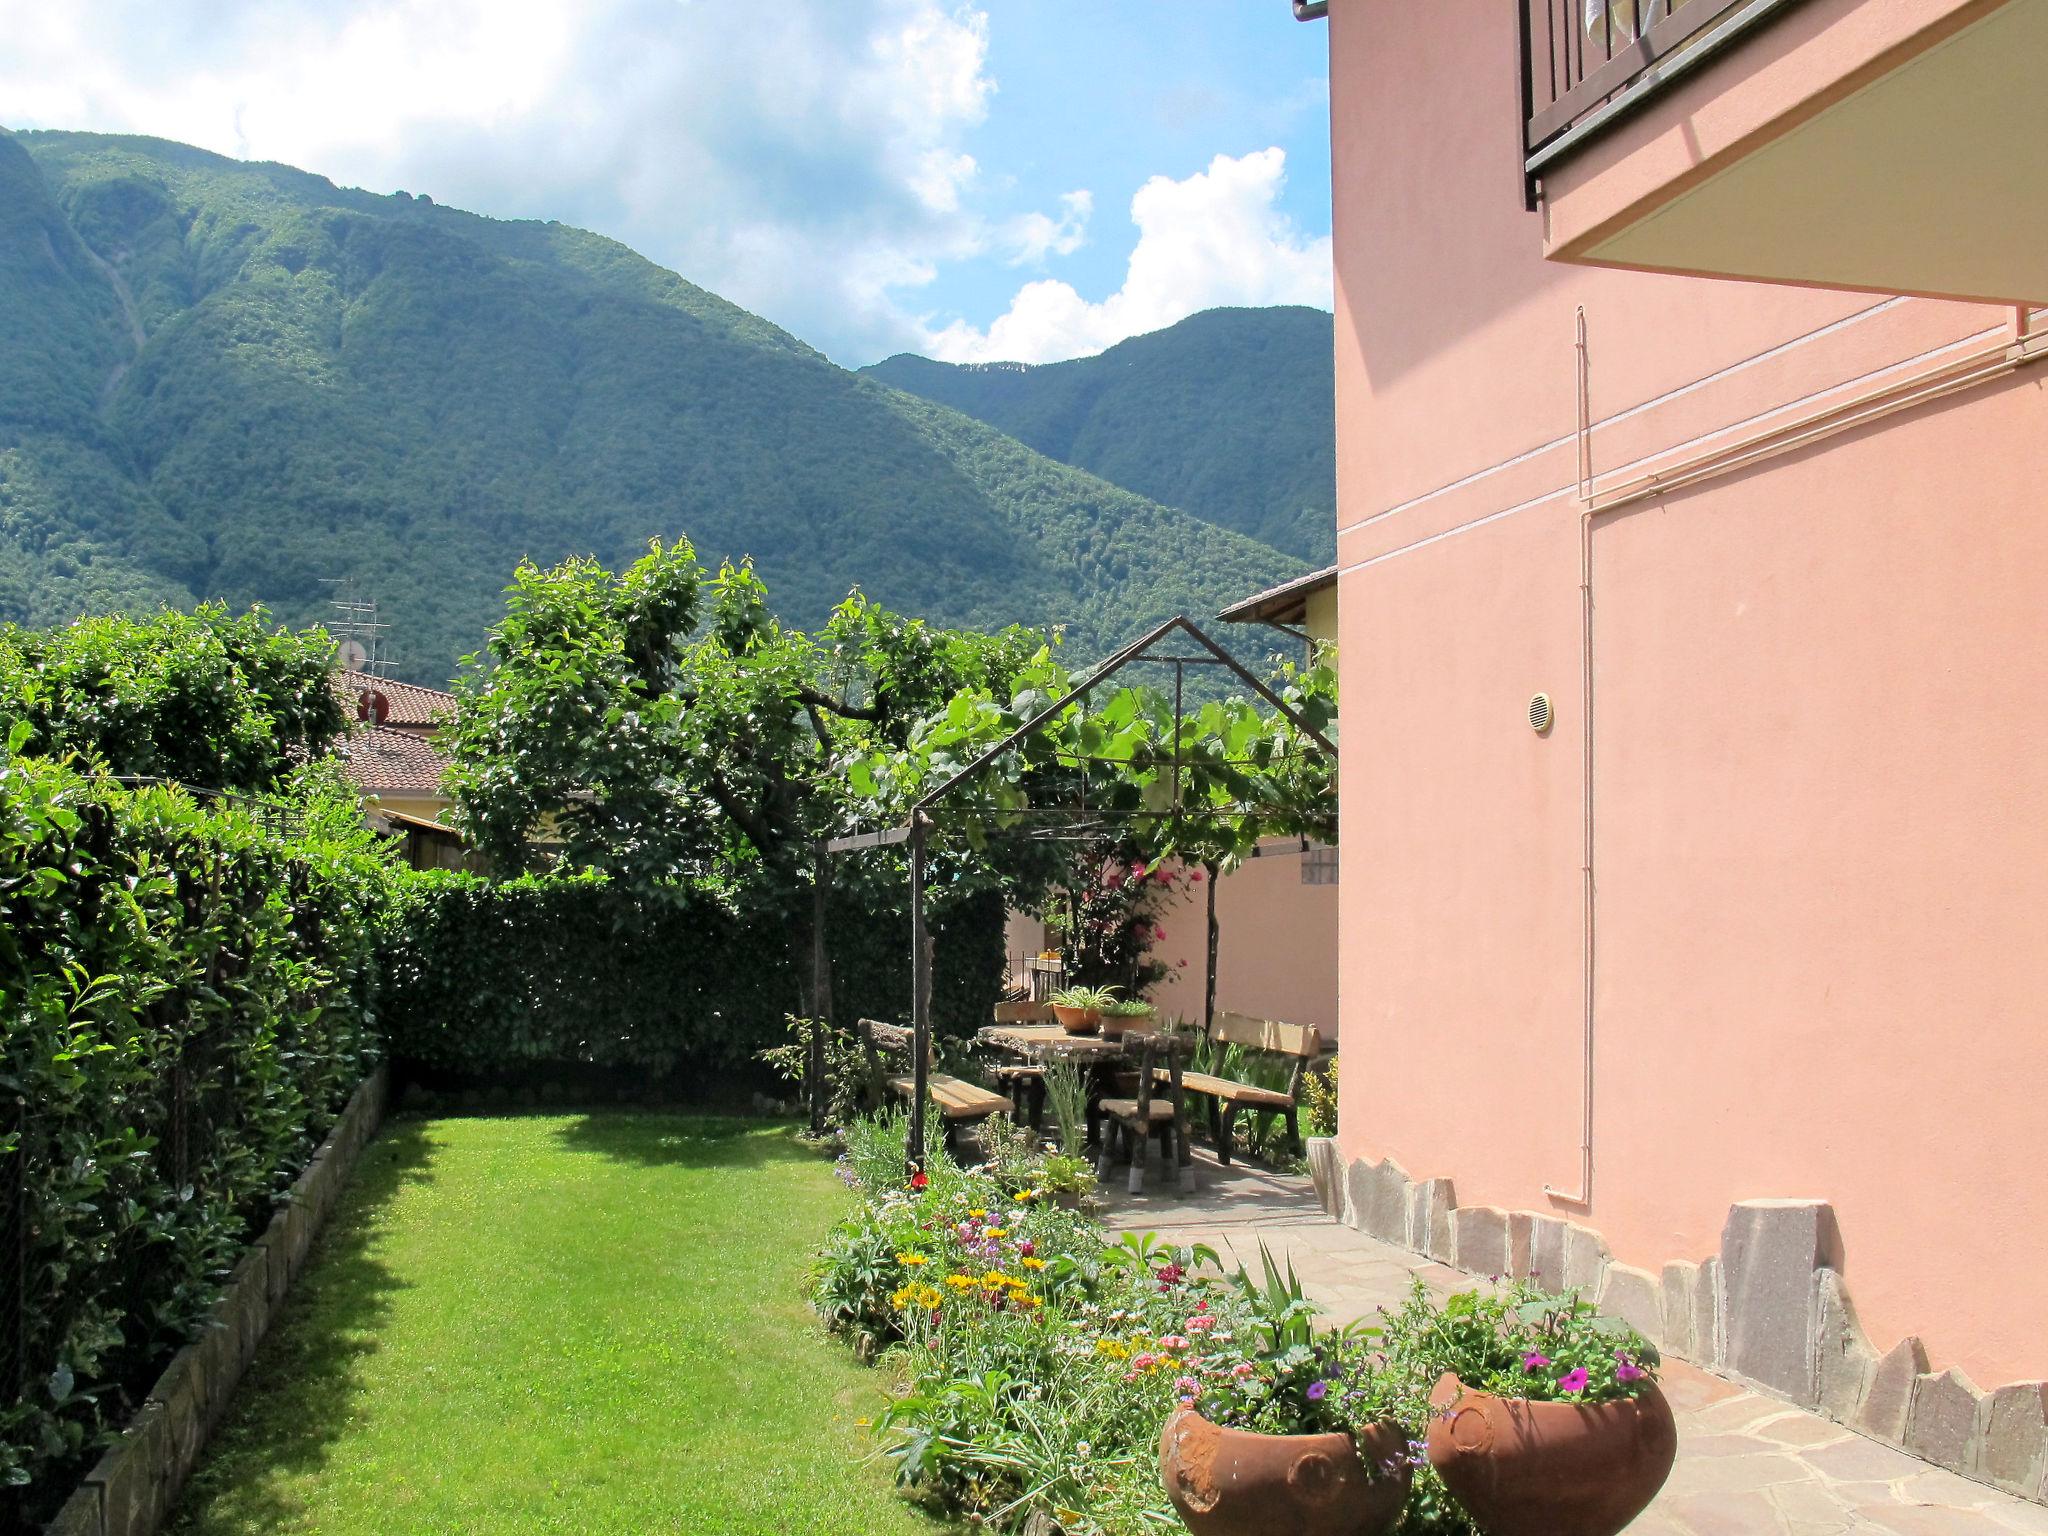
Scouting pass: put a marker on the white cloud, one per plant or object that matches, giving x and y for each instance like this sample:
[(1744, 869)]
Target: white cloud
[(1035, 236), (805, 159), (1217, 237)]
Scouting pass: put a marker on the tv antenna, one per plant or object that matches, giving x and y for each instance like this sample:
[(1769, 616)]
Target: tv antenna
[(357, 631)]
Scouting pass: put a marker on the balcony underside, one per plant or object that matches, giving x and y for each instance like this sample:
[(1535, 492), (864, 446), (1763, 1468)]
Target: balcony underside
[(1930, 177)]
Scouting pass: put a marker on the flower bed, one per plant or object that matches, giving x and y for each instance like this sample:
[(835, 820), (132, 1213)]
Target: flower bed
[(1039, 1361)]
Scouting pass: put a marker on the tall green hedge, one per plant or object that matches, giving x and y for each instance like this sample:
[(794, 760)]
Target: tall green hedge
[(187, 1006), (674, 991)]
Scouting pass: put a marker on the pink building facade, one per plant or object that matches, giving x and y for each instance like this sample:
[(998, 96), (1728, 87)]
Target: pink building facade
[(1739, 963)]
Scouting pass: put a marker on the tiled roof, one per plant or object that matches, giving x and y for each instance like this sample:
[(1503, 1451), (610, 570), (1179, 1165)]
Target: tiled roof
[(1284, 604), (380, 758), (411, 705)]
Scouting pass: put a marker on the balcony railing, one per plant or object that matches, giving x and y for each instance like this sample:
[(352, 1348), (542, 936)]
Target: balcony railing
[(1587, 63)]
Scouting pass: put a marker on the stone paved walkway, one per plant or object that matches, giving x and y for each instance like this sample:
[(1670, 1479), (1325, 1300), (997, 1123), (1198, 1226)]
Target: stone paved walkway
[(1748, 1465)]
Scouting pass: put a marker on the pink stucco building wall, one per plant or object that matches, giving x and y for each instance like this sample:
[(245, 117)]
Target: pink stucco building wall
[(1820, 755)]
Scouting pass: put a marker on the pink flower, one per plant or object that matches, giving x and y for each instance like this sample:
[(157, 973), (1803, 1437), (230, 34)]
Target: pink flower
[(1626, 1369), (1241, 1370), (1195, 876), (1574, 1381), (1158, 933), (1182, 964), (1200, 1323), (1534, 1361), (1187, 1386), (1173, 1341), (1138, 870), (1143, 1362)]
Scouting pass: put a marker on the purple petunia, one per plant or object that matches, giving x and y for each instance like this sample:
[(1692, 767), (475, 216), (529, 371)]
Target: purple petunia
[(1573, 1381), (1534, 1361), (1317, 1390)]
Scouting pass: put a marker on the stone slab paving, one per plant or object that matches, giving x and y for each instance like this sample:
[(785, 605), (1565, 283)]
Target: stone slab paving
[(1748, 1465)]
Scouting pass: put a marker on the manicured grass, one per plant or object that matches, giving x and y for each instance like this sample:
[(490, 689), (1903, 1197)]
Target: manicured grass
[(558, 1323)]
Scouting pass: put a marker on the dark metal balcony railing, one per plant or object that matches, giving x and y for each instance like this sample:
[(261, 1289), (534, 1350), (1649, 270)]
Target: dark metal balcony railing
[(1586, 63)]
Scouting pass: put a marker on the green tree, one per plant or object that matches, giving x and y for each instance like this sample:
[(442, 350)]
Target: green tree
[(661, 724), (210, 698)]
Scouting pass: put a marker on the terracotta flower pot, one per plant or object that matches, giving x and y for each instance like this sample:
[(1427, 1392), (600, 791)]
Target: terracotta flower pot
[(1078, 1021), (1232, 1482), (1550, 1469)]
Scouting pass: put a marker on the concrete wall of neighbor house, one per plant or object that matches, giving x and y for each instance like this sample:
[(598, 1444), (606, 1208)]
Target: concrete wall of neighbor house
[(1821, 748), (1276, 949)]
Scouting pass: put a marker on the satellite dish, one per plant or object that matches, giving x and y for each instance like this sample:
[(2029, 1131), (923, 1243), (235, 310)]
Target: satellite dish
[(372, 707), (354, 655)]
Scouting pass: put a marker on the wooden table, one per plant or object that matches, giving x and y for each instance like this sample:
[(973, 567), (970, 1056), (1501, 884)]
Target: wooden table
[(1045, 1043)]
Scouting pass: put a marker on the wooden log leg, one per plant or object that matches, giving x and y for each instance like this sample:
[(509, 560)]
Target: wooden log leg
[(950, 1138), (1105, 1159), (1140, 1145), (1294, 1131), (1037, 1087), (1226, 1134), (1216, 1123)]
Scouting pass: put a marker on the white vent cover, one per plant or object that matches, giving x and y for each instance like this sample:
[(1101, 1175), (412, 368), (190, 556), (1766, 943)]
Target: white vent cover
[(1539, 712)]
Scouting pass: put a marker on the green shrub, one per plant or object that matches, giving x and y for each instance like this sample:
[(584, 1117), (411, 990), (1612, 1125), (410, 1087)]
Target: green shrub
[(509, 979), (188, 1007), (208, 698)]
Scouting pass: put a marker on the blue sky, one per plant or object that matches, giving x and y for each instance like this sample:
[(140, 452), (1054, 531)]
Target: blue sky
[(1025, 179)]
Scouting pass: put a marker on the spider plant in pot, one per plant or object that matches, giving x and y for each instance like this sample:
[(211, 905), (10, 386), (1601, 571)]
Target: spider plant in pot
[(1079, 1009), (1284, 1432)]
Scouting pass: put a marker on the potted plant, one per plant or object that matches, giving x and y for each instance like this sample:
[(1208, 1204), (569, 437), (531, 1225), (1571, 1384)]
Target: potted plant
[(1544, 1417), (1079, 1009), (1290, 1438), (1124, 1014)]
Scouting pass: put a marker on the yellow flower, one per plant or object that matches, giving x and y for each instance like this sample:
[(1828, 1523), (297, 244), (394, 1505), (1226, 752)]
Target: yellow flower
[(1115, 1349), (1026, 1194), (995, 1279), (961, 1282), (997, 1232), (919, 1295), (976, 1215), (1026, 1299), (912, 1260), (1032, 1263)]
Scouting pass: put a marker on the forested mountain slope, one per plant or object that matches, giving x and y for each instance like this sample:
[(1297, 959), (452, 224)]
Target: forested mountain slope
[(234, 380), (1230, 414)]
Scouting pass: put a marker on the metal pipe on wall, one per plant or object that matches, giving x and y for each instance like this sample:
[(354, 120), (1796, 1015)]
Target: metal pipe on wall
[(920, 998)]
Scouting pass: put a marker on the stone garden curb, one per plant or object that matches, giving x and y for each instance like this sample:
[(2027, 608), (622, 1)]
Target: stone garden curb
[(1770, 1310), (135, 1485)]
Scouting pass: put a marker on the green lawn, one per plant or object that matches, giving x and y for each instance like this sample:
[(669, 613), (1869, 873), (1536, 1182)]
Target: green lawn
[(558, 1323)]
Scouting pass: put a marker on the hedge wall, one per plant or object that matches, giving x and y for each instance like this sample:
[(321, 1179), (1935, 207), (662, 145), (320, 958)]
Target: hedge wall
[(187, 1008), (509, 981)]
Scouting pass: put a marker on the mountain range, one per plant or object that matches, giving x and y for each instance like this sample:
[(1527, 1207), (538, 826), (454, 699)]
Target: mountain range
[(238, 380), (1230, 414)]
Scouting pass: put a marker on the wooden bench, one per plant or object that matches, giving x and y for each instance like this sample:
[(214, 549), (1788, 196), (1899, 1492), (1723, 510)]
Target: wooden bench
[(1226, 1097), (958, 1101)]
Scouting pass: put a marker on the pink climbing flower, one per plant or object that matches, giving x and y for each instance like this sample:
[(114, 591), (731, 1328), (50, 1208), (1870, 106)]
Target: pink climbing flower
[(1573, 1381), (1182, 964), (1534, 1361), (1195, 876), (1158, 933)]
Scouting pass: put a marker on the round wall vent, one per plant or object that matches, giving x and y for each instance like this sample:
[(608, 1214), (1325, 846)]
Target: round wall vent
[(1539, 712)]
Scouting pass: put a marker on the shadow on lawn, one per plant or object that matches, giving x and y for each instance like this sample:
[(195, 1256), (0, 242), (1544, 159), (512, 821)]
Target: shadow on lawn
[(656, 1140), (294, 1402)]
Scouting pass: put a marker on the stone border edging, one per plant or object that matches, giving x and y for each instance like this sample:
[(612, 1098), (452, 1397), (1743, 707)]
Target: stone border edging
[(135, 1485), (1770, 1310)]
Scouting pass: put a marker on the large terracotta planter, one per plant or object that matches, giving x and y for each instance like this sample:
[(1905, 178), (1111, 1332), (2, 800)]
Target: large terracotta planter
[(1078, 1021), (1231, 1482), (1550, 1469)]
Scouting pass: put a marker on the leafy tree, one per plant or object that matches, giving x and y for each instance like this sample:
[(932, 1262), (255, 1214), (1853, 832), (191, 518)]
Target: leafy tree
[(210, 698), (658, 725)]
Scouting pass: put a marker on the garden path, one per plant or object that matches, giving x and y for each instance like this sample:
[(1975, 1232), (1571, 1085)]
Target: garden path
[(1748, 1465)]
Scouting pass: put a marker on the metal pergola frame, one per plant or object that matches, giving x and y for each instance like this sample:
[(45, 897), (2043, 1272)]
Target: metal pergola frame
[(917, 829)]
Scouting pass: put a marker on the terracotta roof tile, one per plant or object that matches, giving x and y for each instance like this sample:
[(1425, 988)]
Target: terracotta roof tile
[(410, 703), (380, 758)]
